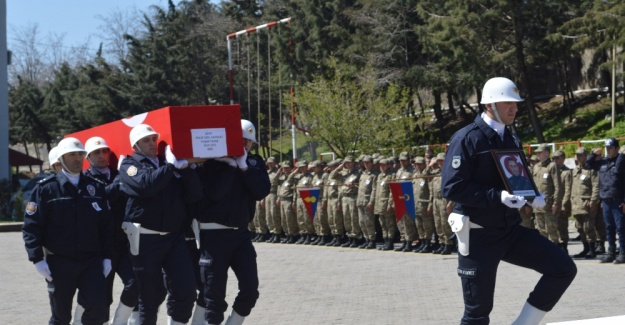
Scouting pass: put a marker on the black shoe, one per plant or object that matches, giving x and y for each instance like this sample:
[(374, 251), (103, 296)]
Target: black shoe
[(610, 257), (401, 248), (600, 248), (323, 240), (408, 247), (447, 250), (620, 259), (439, 250), (307, 239), (364, 245), (583, 253), (426, 249), (270, 239), (331, 243), (291, 240), (347, 243), (371, 244), (337, 243), (591, 251), (354, 243)]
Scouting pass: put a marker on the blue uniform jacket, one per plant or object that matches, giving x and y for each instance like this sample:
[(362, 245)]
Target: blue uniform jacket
[(69, 221), (158, 197), (230, 194), (470, 177), (117, 204), (610, 172)]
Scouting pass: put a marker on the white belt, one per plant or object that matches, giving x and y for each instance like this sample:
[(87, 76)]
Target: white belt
[(152, 232), (214, 225), (474, 225)]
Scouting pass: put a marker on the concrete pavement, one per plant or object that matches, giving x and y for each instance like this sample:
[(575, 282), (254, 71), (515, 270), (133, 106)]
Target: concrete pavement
[(323, 285)]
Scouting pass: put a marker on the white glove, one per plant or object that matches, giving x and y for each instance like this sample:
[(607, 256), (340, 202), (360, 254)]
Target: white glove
[(512, 201), (119, 162), (43, 269), (170, 158), (228, 161), (538, 202), (106, 266), (242, 160)]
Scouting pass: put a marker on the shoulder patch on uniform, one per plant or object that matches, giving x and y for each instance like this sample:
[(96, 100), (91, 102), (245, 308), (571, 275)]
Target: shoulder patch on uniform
[(131, 171), (456, 162), (91, 189), (252, 162), (31, 208)]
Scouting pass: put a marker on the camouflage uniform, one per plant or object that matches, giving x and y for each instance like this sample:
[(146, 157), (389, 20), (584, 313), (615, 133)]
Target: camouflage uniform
[(547, 179), (331, 194), (584, 191), (304, 222), (365, 201), (347, 195), (272, 211), (382, 205), (285, 195), (407, 227), (425, 221), (322, 228), (439, 207)]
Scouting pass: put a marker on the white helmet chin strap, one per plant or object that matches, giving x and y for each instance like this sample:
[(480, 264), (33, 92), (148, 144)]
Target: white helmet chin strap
[(67, 169), (494, 107)]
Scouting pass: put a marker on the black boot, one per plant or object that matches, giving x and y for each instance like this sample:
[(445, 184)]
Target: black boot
[(385, 241), (301, 240), (408, 247), (418, 248), (291, 240), (591, 251), (364, 244), (347, 243), (401, 248), (371, 244), (447, 250), (323, 240), (583, 253), (427, 248), (620, 259), (600, 249), (307, 239), (610, 257), (354, 243), (440, 249), (271, 238), (334, 239)]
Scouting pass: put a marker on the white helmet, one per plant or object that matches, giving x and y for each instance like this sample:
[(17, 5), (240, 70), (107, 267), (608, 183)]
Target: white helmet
[(53, 156), (95, 143), (68, 145), (500, 90), (249, 131), (139, 132)]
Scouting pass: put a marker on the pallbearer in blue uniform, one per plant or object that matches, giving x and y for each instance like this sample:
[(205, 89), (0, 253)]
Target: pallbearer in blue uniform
[(231, 188), (69, 237), (156, 219), (486, 218), (98, 155)]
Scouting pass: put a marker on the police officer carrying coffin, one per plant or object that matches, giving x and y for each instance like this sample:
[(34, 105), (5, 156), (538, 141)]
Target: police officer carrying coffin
[(231, 188), (98, 155), (611, 192), (156, 220), (69, 237), (487, 217)]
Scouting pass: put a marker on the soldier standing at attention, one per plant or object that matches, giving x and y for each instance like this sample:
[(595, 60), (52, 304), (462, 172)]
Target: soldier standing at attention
[(548, 181), (567, 181), (441, 208), (365, 202), (382, 206), (348, 191), (322, 228), (487, 216), (272, 211), (306, 228), (331, 193), (585, 200), (287, 205), (406, 225), (425, 221)]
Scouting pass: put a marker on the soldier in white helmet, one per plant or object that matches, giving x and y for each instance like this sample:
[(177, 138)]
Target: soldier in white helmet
[(156, 219), (69, 237), (232, 185), (98, 153), (53, 159), (489, 215)]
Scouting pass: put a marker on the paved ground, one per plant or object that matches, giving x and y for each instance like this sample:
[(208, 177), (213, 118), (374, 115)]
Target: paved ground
[(319, 285)]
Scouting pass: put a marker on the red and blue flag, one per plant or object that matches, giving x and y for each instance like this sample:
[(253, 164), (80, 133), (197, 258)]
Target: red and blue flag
[(310, 197), (403, 199)]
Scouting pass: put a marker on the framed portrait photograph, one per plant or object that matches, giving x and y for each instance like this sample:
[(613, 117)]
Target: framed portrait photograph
[(515, 173)]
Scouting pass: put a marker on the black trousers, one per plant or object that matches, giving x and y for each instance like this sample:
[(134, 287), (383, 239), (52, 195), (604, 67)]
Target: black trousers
[(69, 275), (519, 246), (122, 265), (220, 250), (166, 254)]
